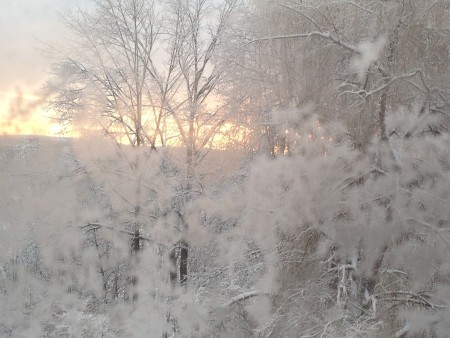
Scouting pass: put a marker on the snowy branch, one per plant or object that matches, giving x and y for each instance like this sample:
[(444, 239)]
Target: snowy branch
[(243, 296), (365, 94), (402, 331), (95, 226), (324, 35), (408, 297)]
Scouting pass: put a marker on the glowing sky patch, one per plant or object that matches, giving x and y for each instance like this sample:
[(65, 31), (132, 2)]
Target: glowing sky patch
[(28, 27)]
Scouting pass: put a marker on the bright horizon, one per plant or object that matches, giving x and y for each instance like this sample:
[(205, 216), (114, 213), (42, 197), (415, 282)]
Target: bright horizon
[(24, 114)]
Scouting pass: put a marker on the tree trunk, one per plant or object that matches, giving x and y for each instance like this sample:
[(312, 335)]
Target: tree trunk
[(173, 272), (184, 250), (136, 241), (134, 278), (382, 116)]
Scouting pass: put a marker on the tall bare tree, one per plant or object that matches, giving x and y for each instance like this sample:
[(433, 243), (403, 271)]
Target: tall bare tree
[(136, 67), (196, 30), (106, 83)]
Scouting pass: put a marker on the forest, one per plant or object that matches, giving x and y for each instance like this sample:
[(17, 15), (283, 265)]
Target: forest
[(235, 168)]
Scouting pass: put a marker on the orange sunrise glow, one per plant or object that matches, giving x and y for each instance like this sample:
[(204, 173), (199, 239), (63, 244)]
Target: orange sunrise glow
[(23, 114)]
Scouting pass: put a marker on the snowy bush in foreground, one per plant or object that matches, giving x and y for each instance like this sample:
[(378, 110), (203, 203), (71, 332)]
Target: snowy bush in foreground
[(353, 241)]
